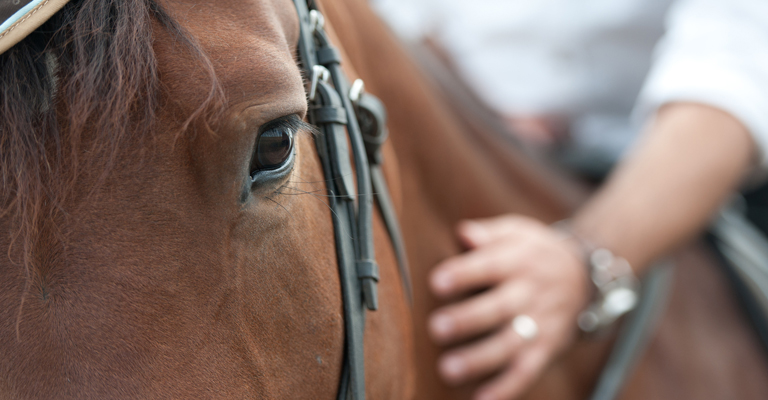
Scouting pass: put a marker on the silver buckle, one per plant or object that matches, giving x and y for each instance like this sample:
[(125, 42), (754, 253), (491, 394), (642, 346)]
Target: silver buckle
[(357, 89), (318, 73), (316, 21)]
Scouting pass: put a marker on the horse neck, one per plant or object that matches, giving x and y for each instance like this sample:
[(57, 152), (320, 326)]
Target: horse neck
[(440, 171), (433, 146)]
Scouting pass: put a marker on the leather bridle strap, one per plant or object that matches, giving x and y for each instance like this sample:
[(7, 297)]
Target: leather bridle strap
[(372, 118), (338, 172), (328, 65), (351, 203)]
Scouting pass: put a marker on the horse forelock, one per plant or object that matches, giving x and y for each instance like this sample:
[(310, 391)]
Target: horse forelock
[(84, 83)]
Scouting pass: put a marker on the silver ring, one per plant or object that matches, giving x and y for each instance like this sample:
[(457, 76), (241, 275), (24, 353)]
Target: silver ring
[(526, 327)]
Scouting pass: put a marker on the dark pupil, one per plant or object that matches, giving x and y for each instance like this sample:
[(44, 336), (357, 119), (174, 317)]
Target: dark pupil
[(272, 149)]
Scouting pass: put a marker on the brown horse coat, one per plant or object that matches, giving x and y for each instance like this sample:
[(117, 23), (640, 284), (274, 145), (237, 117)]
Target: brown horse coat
[(704, 349), (174, 278)]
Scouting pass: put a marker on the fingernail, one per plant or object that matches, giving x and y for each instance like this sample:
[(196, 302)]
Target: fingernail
[(441, 325), (442, 281), (452, 367)]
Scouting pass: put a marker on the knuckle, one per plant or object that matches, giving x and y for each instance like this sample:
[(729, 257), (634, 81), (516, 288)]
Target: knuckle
[(514, 222), (507, 303), (511, 340), (500, 310), (496, 269), (528, 222)]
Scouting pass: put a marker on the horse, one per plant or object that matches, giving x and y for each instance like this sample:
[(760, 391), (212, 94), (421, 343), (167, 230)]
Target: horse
[(163, 253)]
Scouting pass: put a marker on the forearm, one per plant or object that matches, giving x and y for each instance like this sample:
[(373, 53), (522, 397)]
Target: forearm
[(685, 166)]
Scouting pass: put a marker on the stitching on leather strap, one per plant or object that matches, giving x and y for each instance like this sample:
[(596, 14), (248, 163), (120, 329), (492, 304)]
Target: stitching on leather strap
[(28, 16)]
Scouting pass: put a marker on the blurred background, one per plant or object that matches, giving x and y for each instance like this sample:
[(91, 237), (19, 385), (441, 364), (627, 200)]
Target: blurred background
[(577, 80), (564, 74)]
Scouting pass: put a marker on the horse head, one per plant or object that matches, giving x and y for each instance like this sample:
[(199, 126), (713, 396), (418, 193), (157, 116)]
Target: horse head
[(165, 220)]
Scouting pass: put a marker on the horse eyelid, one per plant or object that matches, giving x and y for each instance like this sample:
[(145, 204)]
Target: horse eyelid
[(303, 127), (292, 123)]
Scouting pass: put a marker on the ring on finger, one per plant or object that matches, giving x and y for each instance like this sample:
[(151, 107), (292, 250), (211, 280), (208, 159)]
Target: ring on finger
[(525, 327)]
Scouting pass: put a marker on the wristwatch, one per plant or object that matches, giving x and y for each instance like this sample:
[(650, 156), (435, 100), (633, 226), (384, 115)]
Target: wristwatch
[(617, 288)]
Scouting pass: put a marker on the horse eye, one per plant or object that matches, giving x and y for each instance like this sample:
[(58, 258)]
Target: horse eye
[(273, 148)]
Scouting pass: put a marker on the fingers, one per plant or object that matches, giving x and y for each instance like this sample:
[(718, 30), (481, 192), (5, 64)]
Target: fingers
[(480, 313), (478, 232), (497, 242), (474, 270), (514, 380), (481, 358), (528, 269)]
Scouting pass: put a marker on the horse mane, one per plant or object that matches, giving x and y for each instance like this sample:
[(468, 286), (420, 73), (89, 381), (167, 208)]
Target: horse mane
[(84, 83)]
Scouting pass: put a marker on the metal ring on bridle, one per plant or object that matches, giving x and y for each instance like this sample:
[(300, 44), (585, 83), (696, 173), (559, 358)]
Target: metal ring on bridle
[(319, 73), (316, 21), (525, 327), (357, 89)]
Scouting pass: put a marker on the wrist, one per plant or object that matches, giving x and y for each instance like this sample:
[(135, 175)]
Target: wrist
[(613, 284)]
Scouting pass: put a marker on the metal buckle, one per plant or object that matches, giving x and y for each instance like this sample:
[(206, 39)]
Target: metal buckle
[(316, 21), (357, 89), (318, 73)]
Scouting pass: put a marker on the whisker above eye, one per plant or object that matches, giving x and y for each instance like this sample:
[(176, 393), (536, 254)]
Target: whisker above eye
[(281, 206), (300, 192)]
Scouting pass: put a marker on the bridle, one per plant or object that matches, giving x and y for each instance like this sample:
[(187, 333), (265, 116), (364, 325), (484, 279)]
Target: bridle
[(343, 112), (347, 116), (334, 107)]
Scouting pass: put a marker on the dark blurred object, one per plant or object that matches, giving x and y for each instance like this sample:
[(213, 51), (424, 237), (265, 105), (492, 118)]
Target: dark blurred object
[(757, 207)]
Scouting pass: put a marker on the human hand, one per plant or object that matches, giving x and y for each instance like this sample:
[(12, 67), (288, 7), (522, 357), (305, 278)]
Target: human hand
[(528, 269)]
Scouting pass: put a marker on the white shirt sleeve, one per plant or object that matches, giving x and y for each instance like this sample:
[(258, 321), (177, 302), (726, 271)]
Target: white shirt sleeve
[(715, 52)]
